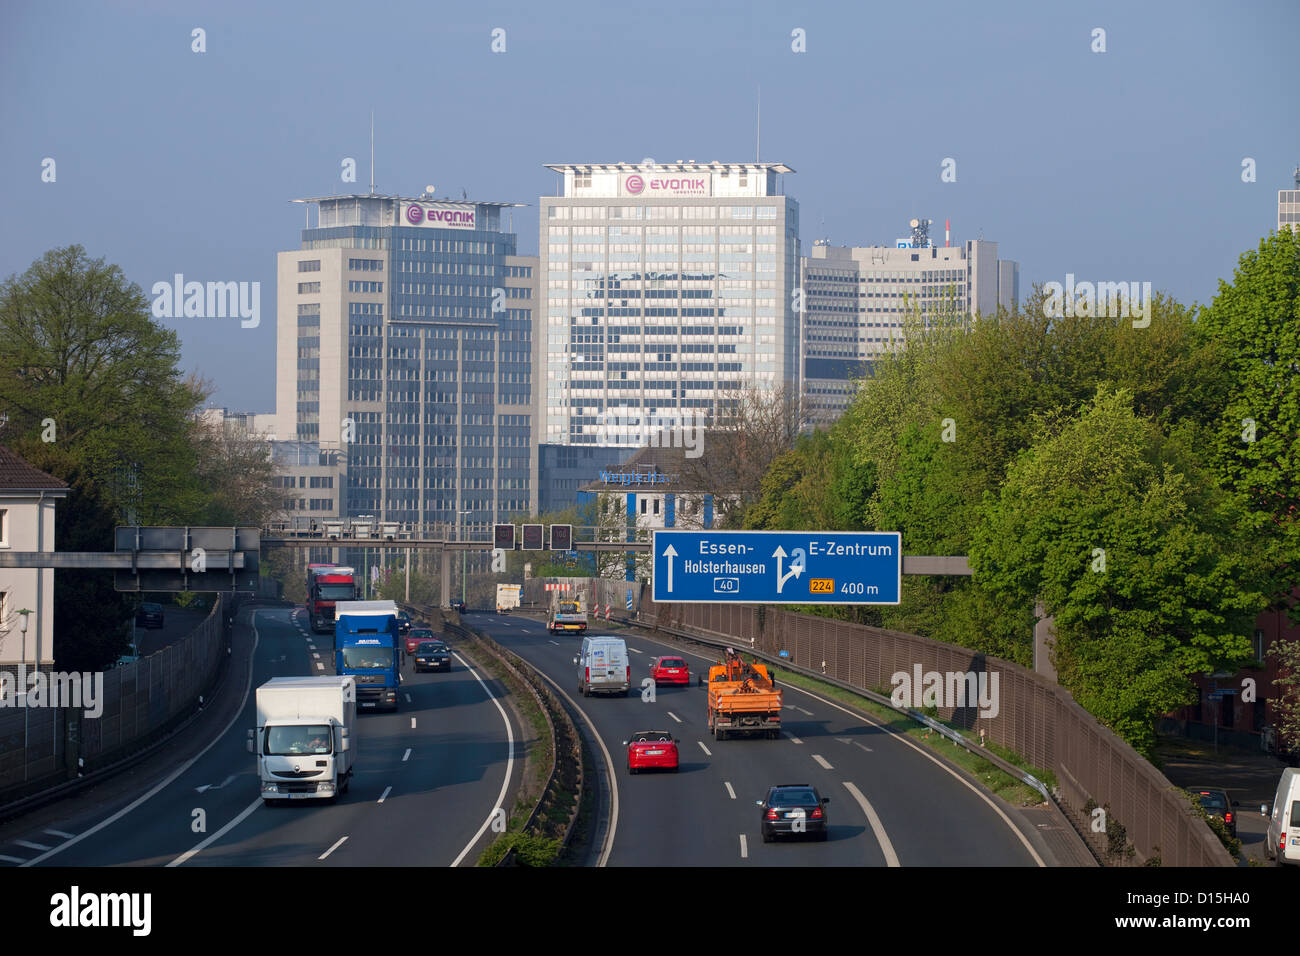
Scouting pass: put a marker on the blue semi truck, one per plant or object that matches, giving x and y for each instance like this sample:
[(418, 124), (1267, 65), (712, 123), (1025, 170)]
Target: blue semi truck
[(367, 648)]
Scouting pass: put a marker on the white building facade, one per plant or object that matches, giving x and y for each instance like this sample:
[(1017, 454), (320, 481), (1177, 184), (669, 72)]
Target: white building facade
[(27, 501), (662, 286)]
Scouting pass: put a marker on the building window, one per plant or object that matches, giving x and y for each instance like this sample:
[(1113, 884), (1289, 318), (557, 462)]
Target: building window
[(309, 265), (307, 287), (4, 530)]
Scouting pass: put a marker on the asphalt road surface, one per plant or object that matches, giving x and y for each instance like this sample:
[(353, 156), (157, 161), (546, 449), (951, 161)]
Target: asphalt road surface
[(892, 804), (426, 782)]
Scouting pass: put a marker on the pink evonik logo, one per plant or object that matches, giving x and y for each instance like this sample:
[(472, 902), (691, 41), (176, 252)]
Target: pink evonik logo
[(634, 184), (414, 214)]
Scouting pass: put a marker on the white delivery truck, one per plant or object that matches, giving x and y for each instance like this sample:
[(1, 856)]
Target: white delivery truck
[(508, 597), (603, 667), (1282, 842), (304, 737)]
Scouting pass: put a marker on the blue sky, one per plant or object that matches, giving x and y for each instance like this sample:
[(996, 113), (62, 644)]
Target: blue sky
[(1123, 165)]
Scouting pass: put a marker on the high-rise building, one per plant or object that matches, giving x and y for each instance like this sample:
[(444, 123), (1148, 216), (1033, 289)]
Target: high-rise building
[(1288, 205), (664, 287), (405, 344), (856, 300)]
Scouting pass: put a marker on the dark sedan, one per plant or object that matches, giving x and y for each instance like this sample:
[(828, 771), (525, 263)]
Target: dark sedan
[(432, 656), (1217, 804), (149, 615), (793, 809)]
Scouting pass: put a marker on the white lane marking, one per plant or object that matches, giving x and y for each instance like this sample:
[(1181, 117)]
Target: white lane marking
[(794, 739), (412, 723), (674, 717), (31, 846), (902, 738), (320, 665), (556, 643), (11, 859), (887, 848), (408, 698), (704, 748), (317, 656), (406, 756), (635, 651), (384, 796), (823, 761), (179, 770), (332, 849), (219, 834), (844, 740), (731, 793), (510, 763), (60, 833), (863, 746), (802, 711), (744, 848), (608, 848)]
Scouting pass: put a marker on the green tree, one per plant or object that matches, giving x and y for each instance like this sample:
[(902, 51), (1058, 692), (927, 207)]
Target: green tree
[(1144, 563), (82, 362), (1255, 321)]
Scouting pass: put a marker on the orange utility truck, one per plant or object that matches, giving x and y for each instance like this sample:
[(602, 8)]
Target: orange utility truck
[(743, 698)]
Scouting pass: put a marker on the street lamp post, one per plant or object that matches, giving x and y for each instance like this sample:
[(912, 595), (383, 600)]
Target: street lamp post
[(22, 686)]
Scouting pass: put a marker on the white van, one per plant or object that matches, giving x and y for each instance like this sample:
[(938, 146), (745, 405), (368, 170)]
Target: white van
[(1282, 843), (603, 667)]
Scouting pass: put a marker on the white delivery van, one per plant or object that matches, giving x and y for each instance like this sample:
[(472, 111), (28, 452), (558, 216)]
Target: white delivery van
[(508, 597), (1282, 842), (304, 737), (603, 667)]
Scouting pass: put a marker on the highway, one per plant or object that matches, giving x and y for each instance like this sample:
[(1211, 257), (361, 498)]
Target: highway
[(426, 783), (892, 804)]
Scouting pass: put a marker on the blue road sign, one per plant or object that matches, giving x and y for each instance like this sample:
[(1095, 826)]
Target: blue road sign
[(778, 567)]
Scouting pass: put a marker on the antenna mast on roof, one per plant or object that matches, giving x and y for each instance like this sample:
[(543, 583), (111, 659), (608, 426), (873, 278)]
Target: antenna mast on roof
[(758, 127), (372, 152)]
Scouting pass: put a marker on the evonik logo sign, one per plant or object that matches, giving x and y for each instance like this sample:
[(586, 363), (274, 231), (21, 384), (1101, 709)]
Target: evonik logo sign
[(217, 300)]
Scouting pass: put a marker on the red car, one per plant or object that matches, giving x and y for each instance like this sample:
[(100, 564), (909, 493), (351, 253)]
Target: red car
[(670, 670), (651, 750), (417, 635)]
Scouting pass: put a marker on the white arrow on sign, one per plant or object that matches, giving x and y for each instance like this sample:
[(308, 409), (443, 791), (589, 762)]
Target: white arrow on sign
[(797, 561), (209, 786), (670, 552)]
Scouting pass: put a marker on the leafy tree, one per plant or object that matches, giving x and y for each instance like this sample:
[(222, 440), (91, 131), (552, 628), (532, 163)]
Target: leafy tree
[(1141, 559), (1255, 320), (1286, 703), (82, 361)]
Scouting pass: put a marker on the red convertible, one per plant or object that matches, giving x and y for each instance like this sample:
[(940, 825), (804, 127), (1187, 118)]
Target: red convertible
[(651, 750)]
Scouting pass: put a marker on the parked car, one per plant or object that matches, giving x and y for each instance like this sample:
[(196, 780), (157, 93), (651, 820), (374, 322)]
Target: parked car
[(432, 656), (793, 809), (1217, 804), (149, 615), (651, 750)]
